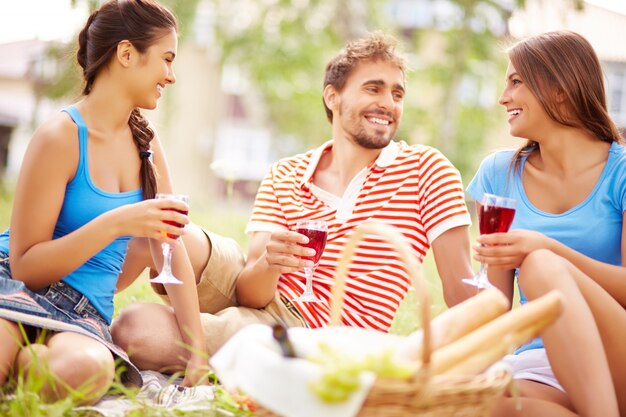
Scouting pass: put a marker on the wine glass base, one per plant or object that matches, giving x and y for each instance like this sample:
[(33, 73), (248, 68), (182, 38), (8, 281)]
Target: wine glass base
[(477, 283), (165, 279), (308, 298)]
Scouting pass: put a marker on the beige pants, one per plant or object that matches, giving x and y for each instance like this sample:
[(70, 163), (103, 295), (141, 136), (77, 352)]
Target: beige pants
[(221, 316)]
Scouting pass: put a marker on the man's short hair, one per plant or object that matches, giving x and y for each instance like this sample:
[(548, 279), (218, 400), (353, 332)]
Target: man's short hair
[(377, 46)]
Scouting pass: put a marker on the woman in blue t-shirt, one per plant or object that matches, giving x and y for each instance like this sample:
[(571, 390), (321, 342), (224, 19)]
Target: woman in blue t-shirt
[(86, 186), (569, 180)]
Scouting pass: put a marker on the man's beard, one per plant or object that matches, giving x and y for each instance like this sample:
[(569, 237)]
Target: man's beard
[(371, 141), (364, 139)]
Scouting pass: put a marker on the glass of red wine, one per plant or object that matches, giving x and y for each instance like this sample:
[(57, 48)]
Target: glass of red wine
[(317, 232), (496, 215), (166, 276)]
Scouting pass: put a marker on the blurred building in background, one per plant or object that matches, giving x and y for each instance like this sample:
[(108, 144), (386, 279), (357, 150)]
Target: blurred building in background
[(23, 70)]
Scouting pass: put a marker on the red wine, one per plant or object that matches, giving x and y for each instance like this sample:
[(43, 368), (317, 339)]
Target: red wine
[(185, 212), (317, 241), (494, 219)]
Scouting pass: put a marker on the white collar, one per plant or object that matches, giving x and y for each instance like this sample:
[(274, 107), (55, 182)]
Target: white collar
[(385, 158)]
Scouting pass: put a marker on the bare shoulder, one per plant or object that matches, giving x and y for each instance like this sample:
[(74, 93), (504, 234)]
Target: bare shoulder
[(58, 131), (54, 147)]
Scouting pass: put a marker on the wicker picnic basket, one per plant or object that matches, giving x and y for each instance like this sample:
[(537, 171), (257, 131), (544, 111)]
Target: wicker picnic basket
[(424, 394)]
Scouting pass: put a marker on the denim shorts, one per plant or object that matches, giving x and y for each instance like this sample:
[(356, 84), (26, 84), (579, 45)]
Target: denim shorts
[(73, 304), (56, 308)]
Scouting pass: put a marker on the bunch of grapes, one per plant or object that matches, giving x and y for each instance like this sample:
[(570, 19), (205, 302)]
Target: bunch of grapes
[(341, 374)]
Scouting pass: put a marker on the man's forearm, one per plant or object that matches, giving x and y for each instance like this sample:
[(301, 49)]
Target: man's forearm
[(256, 285)]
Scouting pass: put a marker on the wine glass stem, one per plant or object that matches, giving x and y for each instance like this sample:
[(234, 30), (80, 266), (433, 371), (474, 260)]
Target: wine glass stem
[(167, 259), (482, 273), (308, 272)]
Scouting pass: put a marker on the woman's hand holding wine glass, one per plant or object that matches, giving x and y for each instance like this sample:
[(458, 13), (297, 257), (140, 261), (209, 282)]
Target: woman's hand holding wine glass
[(508, 250), (496, 215), (166, 276)]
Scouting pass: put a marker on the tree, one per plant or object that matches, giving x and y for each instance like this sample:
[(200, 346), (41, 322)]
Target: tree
[(470, 59), (283, 46), (67, 81), (465, 77)]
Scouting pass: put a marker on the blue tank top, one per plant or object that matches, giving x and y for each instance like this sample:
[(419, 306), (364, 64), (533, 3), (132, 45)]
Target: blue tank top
[(96, 279)]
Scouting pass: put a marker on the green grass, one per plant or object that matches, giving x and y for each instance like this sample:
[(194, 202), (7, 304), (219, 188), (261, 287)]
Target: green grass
[(408, 317), (225, 220)]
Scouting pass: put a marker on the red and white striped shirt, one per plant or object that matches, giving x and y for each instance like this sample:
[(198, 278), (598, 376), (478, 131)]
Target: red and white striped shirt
[(414, 188)]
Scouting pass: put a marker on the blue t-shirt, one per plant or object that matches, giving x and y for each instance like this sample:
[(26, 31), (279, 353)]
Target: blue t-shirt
[(593, 227), (96, 279)]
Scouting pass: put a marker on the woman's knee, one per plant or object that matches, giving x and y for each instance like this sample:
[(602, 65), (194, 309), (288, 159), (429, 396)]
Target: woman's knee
[(83, 363), (87, 370), (542, 271)]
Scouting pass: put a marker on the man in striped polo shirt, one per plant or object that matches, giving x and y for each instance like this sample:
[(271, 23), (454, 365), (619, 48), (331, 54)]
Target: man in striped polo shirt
[(360, 175)]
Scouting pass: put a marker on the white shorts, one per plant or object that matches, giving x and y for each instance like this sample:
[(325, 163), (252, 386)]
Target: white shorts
[(533, 365)]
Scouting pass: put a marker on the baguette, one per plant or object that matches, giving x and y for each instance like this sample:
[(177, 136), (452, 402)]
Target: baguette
[(481, 348), (467, 316), (482, 360), (458, 321)]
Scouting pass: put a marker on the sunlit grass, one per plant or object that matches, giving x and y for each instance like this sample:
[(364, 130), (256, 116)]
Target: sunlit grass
[(408, 317)]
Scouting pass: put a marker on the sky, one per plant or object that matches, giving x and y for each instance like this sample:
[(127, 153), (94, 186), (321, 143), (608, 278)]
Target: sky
[(57, 20), (615, 5), (43, 19)]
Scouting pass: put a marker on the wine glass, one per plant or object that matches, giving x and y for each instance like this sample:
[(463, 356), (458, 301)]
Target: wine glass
[(496, 216), (166, 276), (317, 232)]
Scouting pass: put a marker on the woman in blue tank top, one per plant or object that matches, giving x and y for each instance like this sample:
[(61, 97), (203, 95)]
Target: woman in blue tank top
[(569, 180), (86, 187)]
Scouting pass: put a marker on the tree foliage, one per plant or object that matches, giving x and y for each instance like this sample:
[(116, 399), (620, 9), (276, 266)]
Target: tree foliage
[(67, 80), (283, 46), (466, 73)]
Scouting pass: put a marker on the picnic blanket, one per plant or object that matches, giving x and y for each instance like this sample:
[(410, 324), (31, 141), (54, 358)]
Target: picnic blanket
[(159, 391)]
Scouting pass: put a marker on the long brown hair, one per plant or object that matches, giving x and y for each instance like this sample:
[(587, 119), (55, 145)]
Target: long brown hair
[(141, 22), (564, 63)]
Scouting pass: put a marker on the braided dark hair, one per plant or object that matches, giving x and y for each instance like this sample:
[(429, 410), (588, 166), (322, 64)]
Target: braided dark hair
[(141, 22)]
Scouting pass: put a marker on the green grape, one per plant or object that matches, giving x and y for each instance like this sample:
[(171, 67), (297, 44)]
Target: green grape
[(341, 374)]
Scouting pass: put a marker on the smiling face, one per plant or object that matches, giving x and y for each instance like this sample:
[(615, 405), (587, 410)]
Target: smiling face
[(153, 71), (368, 109), (527, 116)]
